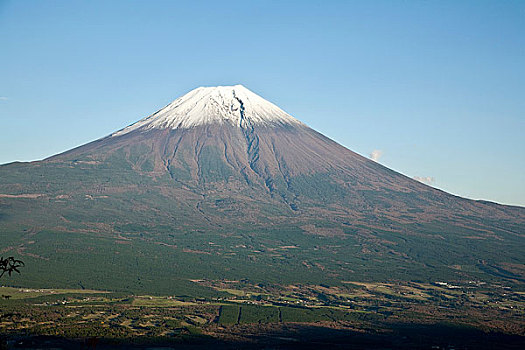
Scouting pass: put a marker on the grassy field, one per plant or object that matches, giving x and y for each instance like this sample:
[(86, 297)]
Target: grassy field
[(25, 293)]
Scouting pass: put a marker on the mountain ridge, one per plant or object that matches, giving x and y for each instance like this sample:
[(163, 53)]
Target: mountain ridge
[(225, 197)]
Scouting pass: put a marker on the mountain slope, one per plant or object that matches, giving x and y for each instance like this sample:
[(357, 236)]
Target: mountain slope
[(230, 184)]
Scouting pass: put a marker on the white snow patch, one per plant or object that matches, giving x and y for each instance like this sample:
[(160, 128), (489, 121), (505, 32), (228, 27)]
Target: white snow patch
[(210, 105)]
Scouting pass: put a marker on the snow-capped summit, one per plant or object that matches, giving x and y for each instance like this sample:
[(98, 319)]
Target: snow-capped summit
[(235, 105)]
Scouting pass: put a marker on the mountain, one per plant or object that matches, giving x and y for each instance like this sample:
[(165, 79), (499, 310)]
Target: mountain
[(222, 184)]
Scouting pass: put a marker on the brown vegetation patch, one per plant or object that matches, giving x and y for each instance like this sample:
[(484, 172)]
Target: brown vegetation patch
[(25, 195), (323, 231), (186, 250)]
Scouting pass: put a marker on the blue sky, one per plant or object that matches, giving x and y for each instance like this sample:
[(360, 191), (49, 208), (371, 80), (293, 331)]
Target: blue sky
[(436, 88)]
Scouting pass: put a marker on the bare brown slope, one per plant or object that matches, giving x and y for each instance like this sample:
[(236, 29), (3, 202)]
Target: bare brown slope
[(258, 203), (296, 167)]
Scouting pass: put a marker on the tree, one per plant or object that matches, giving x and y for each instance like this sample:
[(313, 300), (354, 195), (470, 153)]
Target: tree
[(9, 265)]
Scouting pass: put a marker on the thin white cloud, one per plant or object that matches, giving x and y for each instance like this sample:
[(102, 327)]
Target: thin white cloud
[(375, 155), (428, 180), (4, 98)]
